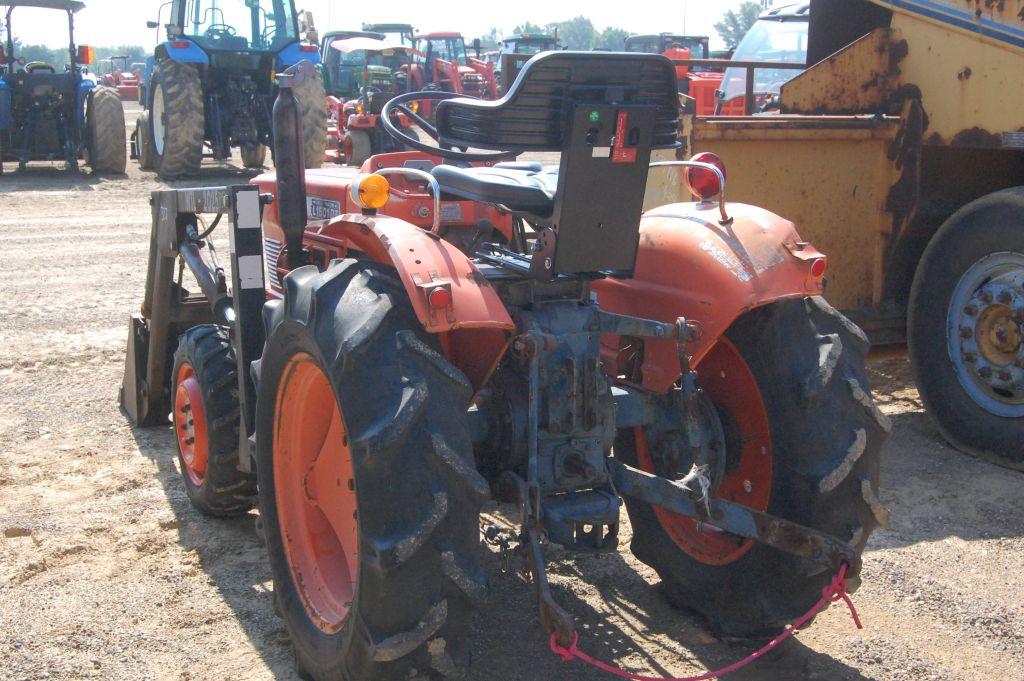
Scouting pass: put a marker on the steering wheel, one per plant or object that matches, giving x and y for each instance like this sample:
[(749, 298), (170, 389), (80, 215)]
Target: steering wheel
[(400, 104), (220, 31), (34, 66)]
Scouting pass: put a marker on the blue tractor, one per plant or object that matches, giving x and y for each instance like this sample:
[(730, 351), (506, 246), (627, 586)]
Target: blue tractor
[(48, 114), (210, 85)]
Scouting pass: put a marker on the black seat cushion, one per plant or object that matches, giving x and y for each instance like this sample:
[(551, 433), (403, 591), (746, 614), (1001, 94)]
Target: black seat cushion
[(528, 190)]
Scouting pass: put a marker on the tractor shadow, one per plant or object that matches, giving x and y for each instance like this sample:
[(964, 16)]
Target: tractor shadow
[(231, 555), (214, 174), (52, 176), (622, 620), (932, 490)]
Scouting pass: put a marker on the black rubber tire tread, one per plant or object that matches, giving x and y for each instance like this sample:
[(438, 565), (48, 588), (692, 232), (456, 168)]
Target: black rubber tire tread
[(418, 491), (108, 151), (144, 141), (312, 99), (184, 120), (827, 436), (992, 224), (254, 157), (361, 145), (226, 490)]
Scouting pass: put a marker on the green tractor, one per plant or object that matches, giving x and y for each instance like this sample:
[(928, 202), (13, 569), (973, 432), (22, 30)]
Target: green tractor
[(361, 75)]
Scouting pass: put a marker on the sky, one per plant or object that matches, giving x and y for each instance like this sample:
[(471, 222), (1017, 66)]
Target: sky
[(123, 22)]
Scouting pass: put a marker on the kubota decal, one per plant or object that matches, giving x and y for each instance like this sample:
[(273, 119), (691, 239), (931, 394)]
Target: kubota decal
[(726, 259)]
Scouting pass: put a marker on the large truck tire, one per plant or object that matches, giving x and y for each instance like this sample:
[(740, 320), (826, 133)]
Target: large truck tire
[(104, 119), (177, 119), (206, 423), (368, 490), (802, 440), (966, 328), (312, 99)]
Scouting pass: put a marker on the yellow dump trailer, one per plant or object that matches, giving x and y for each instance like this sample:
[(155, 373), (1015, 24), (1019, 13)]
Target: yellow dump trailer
[(900, 153)]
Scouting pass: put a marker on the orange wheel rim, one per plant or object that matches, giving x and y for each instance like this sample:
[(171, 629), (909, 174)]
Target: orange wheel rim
[(315, 493), (732, 388), (190, 424)]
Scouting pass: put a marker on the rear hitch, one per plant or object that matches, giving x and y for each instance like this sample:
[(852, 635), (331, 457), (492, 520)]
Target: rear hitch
[(779, 533), (555, 620)]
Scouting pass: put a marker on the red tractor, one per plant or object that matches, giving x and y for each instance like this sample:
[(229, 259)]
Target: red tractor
[(125, 80), (443, 65), (698, 82), (387, 355)]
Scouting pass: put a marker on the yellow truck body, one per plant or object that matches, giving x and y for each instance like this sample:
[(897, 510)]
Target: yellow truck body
[(910, 112)]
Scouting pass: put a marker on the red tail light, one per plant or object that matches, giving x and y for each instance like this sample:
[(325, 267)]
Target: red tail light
[(440, 298), (702, 182), (180, 44), (818, 268), (306, 47)]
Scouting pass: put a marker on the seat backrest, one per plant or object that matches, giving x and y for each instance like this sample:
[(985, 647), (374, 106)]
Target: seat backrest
[(604, 112)]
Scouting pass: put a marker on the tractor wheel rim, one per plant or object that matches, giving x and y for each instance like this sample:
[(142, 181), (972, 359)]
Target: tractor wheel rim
[(747, 476), (190, 424), (315, 494), (157, 118), (985, 333)]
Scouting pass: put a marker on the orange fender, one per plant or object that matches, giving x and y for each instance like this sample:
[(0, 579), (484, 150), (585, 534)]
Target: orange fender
[(690, 266), (474, 325)]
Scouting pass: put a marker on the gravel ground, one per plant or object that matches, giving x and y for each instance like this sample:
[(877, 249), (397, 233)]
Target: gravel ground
[(107, 572)]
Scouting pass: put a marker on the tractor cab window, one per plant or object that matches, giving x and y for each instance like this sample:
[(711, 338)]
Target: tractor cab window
[(644, 45), (260, 25), (356, 58), (527, 47), (769, 40), (448, 49)]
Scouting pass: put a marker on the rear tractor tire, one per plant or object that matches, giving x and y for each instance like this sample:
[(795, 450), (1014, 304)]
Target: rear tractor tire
[(107, 150), (254, 156), (367, 485), (144, 142), (206, 423), (801, 438), (177, 120), (966, 328), (312, 100), (358, 146)]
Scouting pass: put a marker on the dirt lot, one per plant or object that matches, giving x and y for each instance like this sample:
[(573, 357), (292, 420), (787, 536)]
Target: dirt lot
[(107, 572)]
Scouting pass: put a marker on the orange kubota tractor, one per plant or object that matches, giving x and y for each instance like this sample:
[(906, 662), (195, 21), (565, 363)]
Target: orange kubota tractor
[(381, 364), (443, 64)]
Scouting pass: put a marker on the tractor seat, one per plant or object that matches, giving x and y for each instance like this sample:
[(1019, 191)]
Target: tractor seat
[(522, 188)]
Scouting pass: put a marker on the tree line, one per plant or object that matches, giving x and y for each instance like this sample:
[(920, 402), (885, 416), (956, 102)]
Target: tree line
[(580, 33), (60, 57)]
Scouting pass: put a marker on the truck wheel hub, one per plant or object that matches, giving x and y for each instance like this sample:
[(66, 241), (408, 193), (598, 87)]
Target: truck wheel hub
[(985, 333)]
